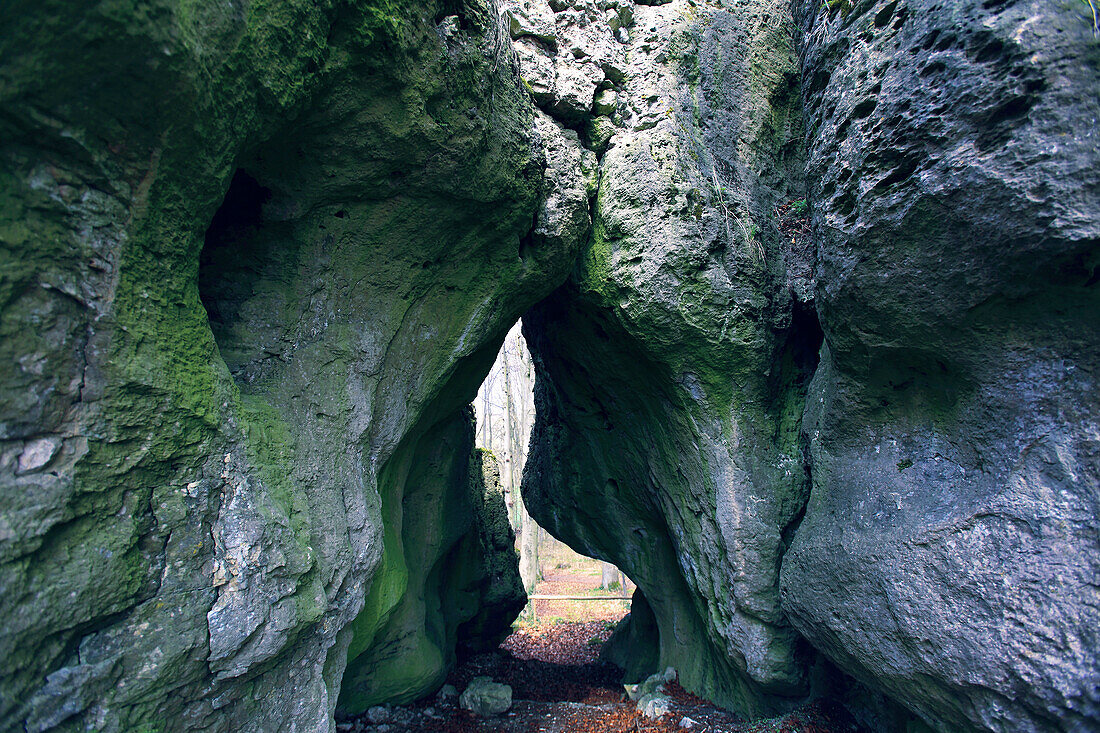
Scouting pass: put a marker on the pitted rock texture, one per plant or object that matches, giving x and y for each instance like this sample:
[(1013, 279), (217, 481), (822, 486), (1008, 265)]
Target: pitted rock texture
[(198, 430), (671, 366), (949, 552), (257, 257), (568, 53)]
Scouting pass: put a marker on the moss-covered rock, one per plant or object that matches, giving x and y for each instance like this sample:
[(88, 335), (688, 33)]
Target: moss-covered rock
[(672, 366), (634, 644), (256, 257), (449, 577), (204, 406)]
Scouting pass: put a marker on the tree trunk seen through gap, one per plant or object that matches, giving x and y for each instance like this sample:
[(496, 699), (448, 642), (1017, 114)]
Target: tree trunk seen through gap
[(505, 406)]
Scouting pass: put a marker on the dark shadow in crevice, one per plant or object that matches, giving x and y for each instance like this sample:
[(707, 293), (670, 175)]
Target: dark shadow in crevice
[(801, 355), (804, 340), (223, 263)]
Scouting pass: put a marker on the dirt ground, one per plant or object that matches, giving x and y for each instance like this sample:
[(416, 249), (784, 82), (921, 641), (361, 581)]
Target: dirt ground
[(573, 694), (559, 685), (579, 577)]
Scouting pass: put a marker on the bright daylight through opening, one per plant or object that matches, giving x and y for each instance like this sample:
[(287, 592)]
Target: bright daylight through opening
[(564, 584)]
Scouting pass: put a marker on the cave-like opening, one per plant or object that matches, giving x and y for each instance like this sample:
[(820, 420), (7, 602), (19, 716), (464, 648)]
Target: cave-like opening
[(233, 259), (565, 584)]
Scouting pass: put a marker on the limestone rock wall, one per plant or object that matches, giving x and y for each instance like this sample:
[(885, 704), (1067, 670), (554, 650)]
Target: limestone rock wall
[(256, 258), (199, 428), (949, 552), (449, 575), (671, 366), (923, 512)]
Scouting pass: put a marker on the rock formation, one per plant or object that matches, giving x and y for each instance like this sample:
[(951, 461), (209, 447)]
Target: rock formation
[(815, 319), (929, 499), (673, 364), (949, 553), (253, 255), (448, 575)]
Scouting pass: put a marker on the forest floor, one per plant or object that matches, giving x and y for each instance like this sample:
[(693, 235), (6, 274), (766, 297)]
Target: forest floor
[(560, 686), (574, 575)]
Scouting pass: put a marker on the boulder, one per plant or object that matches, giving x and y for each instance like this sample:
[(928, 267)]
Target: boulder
[(486, 698), (252, 257), (948, 553)]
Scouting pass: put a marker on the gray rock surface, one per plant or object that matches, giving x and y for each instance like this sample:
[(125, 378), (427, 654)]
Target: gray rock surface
[(254, 261), (197, 440), (949, 553), (667, 442), (954, 180), (566, 55), (486, 698)]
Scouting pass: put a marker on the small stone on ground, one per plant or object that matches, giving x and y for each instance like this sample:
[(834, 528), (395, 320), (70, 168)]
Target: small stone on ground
[(583, 697)]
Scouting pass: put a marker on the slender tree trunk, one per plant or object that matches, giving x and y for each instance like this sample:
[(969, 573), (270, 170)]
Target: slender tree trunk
[(487, 413), (507, 398), (516, 390), (528, 550)]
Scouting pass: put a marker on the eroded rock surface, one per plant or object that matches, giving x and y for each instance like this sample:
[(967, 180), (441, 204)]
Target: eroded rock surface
[(256, 259), (198, 450), (947, 556), (448, 577), (949, 552), (671, 366)]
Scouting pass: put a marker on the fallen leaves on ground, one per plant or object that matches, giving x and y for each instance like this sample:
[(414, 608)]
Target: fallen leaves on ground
[(560, 643), (558, 686)]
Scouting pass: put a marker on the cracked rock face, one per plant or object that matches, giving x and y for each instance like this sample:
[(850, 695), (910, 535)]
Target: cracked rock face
[(666, 441), (568, 53)]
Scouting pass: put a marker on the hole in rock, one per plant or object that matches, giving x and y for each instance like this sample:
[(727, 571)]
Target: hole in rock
[(552, 654), (233, 259), (551, 658), (864, 108), (884, 16), (505, 409)]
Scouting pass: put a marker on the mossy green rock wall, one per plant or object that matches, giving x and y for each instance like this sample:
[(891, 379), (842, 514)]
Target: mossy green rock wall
[(191, 507), (255, 258), (450, 574), (672, 365)]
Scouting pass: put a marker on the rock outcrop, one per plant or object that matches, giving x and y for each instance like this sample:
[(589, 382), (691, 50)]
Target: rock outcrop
[(672, 366), (949, 553), (929, 500), (211, 399), (814, 305)]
